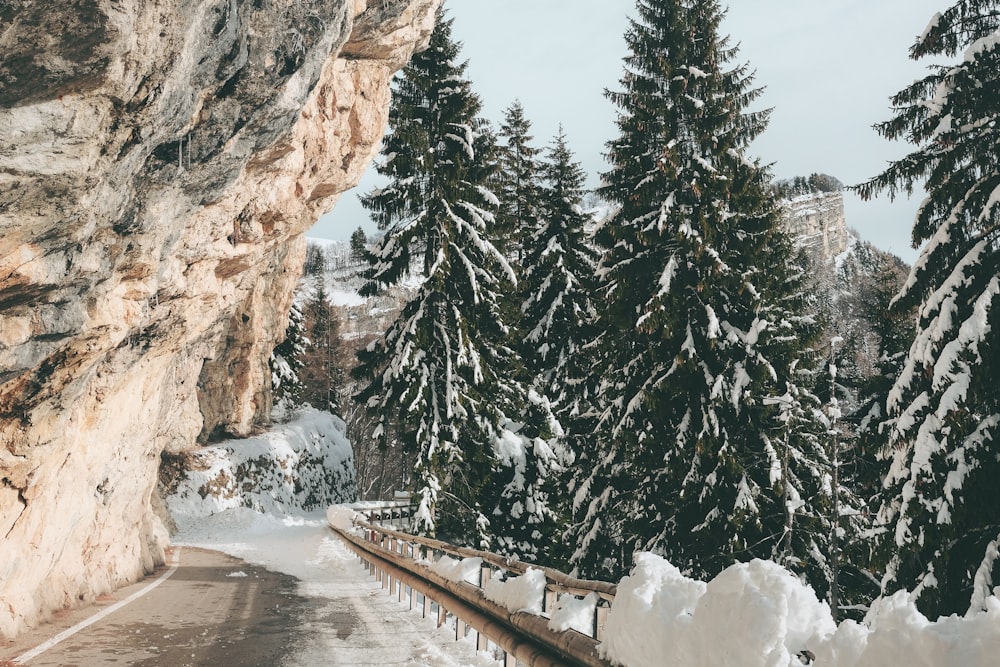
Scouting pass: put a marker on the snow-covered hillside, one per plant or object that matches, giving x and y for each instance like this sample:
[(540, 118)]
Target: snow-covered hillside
[(304, 464)]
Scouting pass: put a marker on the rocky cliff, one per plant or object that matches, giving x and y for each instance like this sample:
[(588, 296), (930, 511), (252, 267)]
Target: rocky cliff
[(817, 222), (160, 161)]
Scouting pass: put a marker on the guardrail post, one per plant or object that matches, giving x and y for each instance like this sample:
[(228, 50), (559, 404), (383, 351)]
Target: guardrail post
[(427, 606), (482, 642), (548, 600), (485, 574), (600, 619)]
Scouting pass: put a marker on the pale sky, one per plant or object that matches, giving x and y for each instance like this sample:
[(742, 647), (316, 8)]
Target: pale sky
[(828, 68)]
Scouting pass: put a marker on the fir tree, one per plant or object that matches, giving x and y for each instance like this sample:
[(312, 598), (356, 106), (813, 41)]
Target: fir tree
[(359, 245), (558, 318), (695, 285), (517, 182), (943, 513), (559, 269), (288, 357), (322, 374), (443, 376)]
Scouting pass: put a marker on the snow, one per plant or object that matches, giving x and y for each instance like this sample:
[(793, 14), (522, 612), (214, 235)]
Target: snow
[(573, 613), (301, 545), (758, 613), (279, 535), (454, 569), (524, 593), (751, 614), (305, 463)]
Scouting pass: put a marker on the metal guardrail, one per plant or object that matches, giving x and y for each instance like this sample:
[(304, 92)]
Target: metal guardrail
[(394, 558)]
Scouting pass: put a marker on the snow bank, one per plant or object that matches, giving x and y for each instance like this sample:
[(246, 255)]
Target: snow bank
[(758, 613), (303, 465), (524, 593)]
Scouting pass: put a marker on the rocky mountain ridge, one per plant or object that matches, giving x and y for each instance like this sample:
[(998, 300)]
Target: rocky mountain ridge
[(161, 163)]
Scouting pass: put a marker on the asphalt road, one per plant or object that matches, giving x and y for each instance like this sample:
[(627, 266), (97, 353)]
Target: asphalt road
[(212, 610)]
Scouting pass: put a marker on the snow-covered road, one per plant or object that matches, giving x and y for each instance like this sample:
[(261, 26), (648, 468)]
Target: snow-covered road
[(354, 621)]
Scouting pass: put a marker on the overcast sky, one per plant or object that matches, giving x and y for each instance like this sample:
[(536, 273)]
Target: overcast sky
[(828, 68)]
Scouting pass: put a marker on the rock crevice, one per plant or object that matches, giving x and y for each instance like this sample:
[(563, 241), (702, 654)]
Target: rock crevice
[(161, 162)]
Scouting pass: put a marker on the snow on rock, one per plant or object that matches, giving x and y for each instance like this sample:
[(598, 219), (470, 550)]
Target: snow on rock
[(305, 464), (758, 613), (523, 593)]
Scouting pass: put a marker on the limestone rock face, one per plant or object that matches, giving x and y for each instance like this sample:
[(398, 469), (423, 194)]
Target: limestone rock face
[(817, 222), (160, 162)]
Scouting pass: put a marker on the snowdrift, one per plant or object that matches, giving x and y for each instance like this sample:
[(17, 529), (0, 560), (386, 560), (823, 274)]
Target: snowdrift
[(759, 614), (306, 464)]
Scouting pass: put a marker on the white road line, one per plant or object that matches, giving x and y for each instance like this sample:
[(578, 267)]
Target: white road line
[(175, 560)]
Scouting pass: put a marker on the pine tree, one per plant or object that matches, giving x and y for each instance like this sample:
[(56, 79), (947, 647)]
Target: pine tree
[(315, 261), (559, 269), (517, 182), (943, 513), (359, 245), (444, 375), (322, 374), (694, 283), (288, 357)]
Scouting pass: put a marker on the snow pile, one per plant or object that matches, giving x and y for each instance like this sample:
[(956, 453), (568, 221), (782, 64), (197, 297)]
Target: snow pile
[(452, 569), (650, 619), (573, 613), (305, 464), (341, 517), (524, 593), (758, 613)]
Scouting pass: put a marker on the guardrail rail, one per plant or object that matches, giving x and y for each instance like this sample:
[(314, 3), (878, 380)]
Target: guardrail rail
[(401, 563)]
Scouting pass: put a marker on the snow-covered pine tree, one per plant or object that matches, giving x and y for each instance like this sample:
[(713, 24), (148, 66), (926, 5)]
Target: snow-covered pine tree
[(558, 280), (516, 183), (322, 373), (444, 376), (943, 513), (693, 279), (557, 315), (288, 357)]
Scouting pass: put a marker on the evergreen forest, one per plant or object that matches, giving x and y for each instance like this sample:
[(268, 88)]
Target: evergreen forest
[(677, 374)]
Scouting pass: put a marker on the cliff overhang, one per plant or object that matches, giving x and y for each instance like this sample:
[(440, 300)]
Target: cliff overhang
[(162, 161)]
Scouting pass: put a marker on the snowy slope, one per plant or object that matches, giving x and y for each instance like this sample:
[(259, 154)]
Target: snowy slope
[(305, 464)]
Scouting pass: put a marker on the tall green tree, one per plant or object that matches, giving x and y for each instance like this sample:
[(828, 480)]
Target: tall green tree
[(288, 357), (517, 183), (695, 289), (322, 374), (559, 269), (943, 511), (444, 376), (359, 245)]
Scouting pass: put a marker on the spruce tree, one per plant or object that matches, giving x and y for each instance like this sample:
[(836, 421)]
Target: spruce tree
[(322, 373), (943, 512), (444, 376), (694, 284), (359, 245), (517, 183), (288, 357), (559, 278)]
